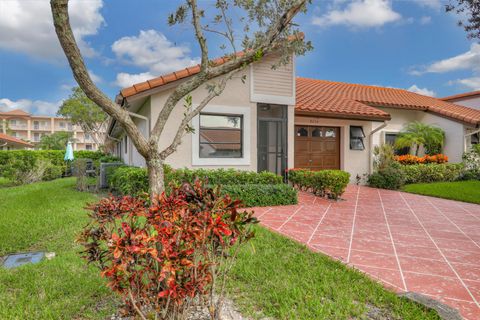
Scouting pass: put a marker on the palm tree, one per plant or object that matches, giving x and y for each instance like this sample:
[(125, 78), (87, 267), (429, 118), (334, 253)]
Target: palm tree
[(416, 134)]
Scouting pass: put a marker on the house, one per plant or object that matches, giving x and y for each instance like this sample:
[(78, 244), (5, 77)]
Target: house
[(468, 99), (23, 125), (276, 121), (11, 143)]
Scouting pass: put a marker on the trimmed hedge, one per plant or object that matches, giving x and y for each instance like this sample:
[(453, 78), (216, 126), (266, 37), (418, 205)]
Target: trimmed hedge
[(330, 183), (221, 176), (391, 177), (253, 189), (422, 173), (260, 195)]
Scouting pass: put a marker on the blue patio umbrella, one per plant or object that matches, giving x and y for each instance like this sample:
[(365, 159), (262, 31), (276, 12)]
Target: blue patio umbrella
[(69, 152), (68, 158)]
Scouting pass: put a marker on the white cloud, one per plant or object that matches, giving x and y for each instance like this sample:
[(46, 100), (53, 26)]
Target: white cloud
[(472, 83), (152, 51), (469, 60), (360, 13), (37, 107), (27, 26), (425, 20), (432, 4), (422, 91), (95, 78), (126, 79)]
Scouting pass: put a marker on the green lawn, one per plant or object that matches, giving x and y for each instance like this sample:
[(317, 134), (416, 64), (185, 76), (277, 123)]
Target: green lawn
[(466, 191), (273, 277), (4, 182)]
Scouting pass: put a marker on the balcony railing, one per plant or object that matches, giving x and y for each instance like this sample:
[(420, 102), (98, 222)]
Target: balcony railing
[(40, 127), (18, 126)]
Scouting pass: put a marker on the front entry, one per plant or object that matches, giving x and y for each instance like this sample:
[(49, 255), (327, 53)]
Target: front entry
[(272, 138), (317, 148)]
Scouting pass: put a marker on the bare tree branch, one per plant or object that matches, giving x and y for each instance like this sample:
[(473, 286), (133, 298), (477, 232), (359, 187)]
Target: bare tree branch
[(199, 34), (177, 140), (266, 46), (67, 40)]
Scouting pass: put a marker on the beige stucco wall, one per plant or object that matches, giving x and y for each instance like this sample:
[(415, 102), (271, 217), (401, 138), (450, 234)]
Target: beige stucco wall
[(236, 94), (356, 162)]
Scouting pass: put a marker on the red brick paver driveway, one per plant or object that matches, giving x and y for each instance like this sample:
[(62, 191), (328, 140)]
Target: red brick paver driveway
[(408, 242)]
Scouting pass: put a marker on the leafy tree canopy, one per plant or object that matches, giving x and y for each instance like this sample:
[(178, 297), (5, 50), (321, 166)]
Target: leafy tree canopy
[(81, 110), (55, 141)]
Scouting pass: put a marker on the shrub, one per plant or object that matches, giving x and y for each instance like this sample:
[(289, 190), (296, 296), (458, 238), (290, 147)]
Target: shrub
[(383, 156), (471, 160), (53, 172), (432, 172), (254, 189), (161, 259), (391, 177), (409, 159), (18, 162), (221, 176), (330, 183), (131, 181), (258, 195)]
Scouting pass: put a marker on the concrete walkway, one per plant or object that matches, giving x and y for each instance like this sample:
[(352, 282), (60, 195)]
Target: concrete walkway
[(408, 242)]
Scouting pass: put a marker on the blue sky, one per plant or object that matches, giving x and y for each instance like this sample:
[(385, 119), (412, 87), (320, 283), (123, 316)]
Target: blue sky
[(405, 44)]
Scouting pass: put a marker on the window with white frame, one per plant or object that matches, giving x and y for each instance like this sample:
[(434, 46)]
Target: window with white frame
[(62, 125), (220, 136), (88, 147), (356, 138)]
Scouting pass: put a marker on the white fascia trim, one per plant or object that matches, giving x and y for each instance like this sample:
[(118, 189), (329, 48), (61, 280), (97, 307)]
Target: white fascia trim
[(266, 98), (245, 160)]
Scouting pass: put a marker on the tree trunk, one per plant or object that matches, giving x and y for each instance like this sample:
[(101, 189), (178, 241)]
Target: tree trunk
[(156, 184), (417, 149)]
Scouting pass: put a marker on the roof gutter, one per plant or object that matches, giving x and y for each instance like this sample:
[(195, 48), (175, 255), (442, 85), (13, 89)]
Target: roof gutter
[(370, 146)]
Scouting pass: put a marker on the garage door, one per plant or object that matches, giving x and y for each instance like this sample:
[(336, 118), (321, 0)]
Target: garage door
[(317, 148)]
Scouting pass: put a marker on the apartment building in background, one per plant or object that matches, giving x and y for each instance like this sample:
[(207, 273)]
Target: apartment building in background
[(31, 128)]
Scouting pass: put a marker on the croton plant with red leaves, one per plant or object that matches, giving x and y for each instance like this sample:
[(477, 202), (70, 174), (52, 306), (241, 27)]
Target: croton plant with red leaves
[(161, 256)]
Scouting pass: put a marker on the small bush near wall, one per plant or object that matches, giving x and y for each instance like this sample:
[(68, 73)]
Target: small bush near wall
[(432, 172), (471, 161), (330, 183), (391, 177), (129, 180)]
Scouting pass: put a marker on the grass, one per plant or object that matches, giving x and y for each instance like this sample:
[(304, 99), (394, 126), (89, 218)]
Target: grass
[(4, 182), (277, 277), (466, 191), (47, 216), (273, 276)]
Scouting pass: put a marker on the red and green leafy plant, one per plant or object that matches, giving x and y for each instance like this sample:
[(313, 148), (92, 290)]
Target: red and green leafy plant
[(409, 159), (164, 256)]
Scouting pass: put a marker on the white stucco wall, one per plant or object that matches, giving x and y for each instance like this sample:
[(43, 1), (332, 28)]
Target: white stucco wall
[(454, 131)]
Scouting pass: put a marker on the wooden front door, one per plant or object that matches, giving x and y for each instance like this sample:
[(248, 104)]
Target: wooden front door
[(317, 148)]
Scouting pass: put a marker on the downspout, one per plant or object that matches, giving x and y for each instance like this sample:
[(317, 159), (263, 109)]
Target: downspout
[(370, 146), (465, 138)]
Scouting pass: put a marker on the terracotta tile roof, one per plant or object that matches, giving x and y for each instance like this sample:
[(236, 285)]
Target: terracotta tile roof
[(7, 138), (16, 112), (169, 78), (360, 100), (461, 95), (184, 73)]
